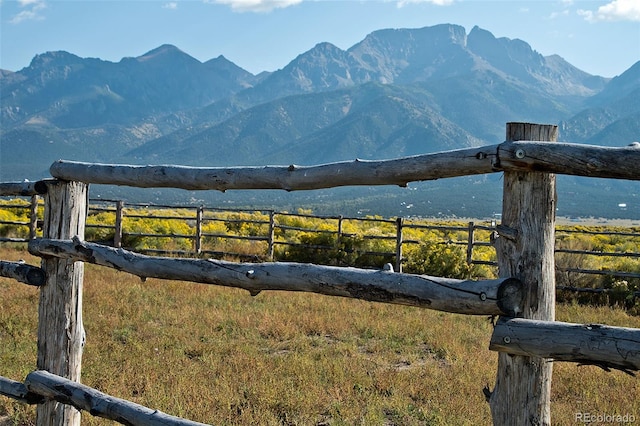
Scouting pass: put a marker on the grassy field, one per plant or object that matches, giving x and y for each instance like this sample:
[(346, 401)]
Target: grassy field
[(220, 356)]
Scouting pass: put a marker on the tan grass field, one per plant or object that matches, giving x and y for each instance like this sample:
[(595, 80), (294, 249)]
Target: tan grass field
[(220, 356)]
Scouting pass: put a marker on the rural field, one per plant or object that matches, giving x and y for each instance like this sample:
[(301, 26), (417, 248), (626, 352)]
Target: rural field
[(219, 356)]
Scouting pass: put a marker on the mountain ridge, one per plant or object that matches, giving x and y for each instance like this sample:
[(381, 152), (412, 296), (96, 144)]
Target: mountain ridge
[(397, 92)]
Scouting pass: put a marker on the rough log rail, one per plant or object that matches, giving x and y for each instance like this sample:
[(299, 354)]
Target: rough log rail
[(18, 391), (596, 344), (488, 297), (23, 272), (23, 188), (97, 403), (562, 158)]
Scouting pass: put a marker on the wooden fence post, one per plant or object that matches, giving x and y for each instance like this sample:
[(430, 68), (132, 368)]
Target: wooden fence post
[(198, 237), (470, 241), (339, 251), (117, 236), (399, 224), (33, 217), (525, 250), (60, 329), (272, 234)]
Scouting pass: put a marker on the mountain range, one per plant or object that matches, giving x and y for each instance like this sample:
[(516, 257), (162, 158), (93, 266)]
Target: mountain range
[(398, 92)]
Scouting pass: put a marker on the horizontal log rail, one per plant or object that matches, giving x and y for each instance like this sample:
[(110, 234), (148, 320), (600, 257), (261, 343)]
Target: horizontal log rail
[(438, 227), (561, 158), (14, 222), (315, 216), (589, 344), (290, 178), (94, 209), (25, 188), (198, 235), (621, 274), (150, 235), (362, 219), (571, 159), (44, 384), (96, 226), (18, 391), (590, 232), (486, 297), (236, 237), (149, 216), (14, 240), (219, 219), (22, 272), (302, 229), (599, 253)]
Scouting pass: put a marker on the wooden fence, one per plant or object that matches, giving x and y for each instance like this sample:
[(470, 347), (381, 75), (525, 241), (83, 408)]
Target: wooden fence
[(266, 228), (269, 223), (526, 335)]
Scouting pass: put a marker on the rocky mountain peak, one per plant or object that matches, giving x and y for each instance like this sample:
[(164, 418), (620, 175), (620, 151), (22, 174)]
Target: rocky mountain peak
[(413, 85), (168, 54), (621, 86), (503, 53), (54, 59)]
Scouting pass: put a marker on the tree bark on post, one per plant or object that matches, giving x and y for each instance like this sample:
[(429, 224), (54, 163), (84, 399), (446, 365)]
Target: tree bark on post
[(525, 250), (272, 234), (470, 241), (60, 328), (339, 251), (198, 236), (117, 235), (33, 217), (399, 226)]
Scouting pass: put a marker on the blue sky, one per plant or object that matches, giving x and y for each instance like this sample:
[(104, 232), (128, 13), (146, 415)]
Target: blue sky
[(599, 37)]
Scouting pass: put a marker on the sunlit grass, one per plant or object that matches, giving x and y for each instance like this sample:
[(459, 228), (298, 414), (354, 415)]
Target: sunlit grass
[(218, 355)]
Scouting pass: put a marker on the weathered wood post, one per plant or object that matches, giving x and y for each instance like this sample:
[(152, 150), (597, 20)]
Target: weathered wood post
[(117, 236), (60, 329), (33, 217), (339, 251), (470, 242), (198, 236), (399, 226), (525, 250), (272, 234)]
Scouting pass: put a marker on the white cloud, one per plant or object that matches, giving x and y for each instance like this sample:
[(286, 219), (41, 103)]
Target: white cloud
[(32, 11), (256, 5), (402, 3), (170, 5), (269, 5), (555, 15), (617, 10)]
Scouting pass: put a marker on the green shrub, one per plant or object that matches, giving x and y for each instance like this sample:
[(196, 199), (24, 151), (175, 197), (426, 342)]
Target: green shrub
[(156, 226), (319, 248), (14, 214), (101, 235), (12, 231), (438, 259)]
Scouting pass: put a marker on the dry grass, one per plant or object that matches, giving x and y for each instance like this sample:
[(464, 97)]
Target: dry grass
[(218, 355)]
